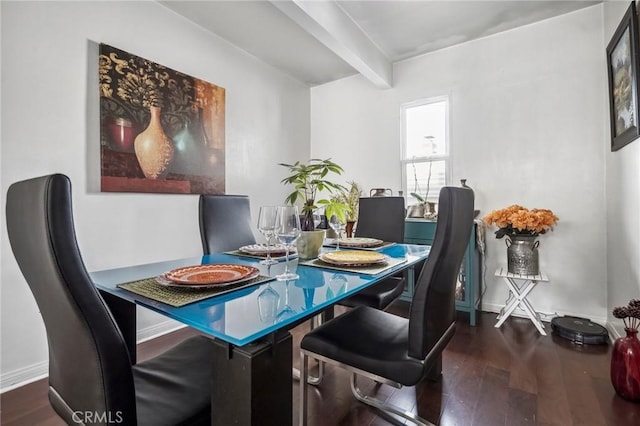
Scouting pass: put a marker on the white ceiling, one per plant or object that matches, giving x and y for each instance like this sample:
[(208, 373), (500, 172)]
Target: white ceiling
[(320, 41)]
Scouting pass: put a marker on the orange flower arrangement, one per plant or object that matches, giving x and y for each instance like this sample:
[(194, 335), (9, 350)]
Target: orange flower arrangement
[(518, 220)]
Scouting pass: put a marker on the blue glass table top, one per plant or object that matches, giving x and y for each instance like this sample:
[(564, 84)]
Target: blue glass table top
[(243, 316)]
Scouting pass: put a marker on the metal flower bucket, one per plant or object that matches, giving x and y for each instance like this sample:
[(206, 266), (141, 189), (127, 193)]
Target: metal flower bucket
[(522, 254)]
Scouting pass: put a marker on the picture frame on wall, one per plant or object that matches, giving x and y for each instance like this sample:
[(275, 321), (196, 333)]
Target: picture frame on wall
[(161, 130), (622, 67)]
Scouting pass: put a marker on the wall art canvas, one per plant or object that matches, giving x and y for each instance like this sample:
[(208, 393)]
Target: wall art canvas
[(160, 130), (622, 65)]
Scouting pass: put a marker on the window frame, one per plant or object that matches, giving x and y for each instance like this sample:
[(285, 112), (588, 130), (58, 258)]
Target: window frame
[(446, 156)]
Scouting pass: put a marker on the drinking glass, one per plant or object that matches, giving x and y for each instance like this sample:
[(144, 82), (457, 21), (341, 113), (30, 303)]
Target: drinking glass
[(338, 283), (317, 217), (338, 226), (287, 231), (268, 300), (267, 227), (287, 311)]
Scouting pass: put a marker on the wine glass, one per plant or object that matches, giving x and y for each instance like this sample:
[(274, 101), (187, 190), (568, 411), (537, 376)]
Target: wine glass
[(317, 218), (337, 225), (267, 227), (287, 311), (268, 300), (338, 283), (287, 231)]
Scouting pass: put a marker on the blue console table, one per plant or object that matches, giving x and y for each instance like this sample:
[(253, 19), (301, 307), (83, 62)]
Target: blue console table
[(421, 231)]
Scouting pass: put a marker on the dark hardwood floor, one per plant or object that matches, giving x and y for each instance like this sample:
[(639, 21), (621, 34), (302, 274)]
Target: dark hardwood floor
[(509, 376)]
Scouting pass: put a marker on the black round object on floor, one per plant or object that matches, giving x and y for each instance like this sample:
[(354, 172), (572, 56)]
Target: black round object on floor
[(579, 330)]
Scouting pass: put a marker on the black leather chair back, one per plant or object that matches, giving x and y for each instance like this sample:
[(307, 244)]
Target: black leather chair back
[(89, 364), (381, 218), (225, 223), (433, 307)]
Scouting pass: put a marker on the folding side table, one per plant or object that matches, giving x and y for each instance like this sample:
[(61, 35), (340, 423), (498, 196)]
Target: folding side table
[(519, 288)]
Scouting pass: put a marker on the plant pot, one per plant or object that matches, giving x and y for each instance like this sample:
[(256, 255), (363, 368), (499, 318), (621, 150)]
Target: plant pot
[(417, 210), (522, 254), (309, 244), (430, 211), (349, 228)]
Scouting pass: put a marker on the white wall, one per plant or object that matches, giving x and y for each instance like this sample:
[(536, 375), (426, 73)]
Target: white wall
[(623, 204), (527, 127), (50, 124)]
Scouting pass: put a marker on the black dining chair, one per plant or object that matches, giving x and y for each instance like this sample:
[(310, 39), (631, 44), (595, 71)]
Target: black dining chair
[(90, 367), (225, 223), (394, 350), (381, 218)]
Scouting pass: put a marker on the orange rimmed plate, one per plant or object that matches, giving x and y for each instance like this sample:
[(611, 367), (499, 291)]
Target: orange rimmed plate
[(210, 275), (353, 258)]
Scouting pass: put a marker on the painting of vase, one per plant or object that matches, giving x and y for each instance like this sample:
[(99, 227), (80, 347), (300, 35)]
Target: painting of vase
[(160, 130)]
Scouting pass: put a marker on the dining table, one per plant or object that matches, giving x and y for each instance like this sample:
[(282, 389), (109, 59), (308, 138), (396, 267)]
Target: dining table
[(249, 324)]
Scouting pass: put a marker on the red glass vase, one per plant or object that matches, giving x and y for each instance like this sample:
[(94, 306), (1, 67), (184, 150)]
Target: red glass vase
[(625, 366)]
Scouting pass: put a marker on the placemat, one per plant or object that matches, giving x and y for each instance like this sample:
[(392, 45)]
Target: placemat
[(257, 256), (178, 297), (367, 270), (376, 248)]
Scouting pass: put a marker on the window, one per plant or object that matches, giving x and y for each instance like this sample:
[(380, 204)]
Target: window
[(425, 148)]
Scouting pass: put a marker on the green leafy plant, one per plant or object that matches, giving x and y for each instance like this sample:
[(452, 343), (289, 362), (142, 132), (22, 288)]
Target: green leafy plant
[(351, 198), (421, 200), (308, 180)]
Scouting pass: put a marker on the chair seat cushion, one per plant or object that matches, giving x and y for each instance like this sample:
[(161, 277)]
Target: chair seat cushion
[(368, 339), (377, 296), (175, 387)]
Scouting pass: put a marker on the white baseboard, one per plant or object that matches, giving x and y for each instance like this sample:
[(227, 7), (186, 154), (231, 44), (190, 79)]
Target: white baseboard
[(157, 330), (25, 375), (613, 333)]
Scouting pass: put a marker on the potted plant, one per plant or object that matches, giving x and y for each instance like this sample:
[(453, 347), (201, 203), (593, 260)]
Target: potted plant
[(309, 179), (351, 198), (424, 209), (417, 210), (522, 227)]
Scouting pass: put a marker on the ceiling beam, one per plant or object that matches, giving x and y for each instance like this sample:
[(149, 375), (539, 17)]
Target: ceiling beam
[(328, 23)]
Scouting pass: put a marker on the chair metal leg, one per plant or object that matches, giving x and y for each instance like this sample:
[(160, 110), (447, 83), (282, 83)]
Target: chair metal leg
[(382, 406), (317, 322), (312, 380), (304, 363)]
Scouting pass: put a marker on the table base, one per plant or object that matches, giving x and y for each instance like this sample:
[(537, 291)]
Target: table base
[(252, 384)]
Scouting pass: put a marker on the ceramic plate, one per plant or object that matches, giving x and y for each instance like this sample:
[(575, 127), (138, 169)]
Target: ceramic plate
[(162, 280), (360, 242), (261, 249), (353, 257), (213, 274)]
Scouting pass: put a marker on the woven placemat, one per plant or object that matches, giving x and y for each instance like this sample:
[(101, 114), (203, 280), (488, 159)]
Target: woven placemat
[(367, 270), (177, 297)]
